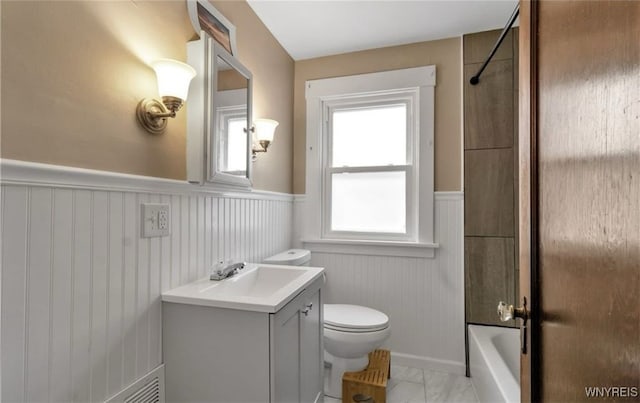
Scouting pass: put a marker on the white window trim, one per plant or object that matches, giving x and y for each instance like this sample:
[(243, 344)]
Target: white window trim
[(318, 92)]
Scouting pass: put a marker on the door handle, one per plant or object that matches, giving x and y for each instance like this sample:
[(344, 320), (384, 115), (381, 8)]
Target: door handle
[(307, 308), (508, 312)]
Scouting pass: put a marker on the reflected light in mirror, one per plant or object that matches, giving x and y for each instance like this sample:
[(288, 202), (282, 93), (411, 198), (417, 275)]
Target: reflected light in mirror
[(263, 132), (265, 129)]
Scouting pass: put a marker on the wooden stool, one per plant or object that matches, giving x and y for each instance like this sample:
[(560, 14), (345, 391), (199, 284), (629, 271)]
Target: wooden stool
[(370, 384)]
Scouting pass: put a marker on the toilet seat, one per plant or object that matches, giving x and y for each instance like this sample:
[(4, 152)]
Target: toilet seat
[(354, 318)]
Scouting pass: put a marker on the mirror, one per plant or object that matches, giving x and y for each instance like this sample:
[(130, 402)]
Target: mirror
[(231, 101), (218, 114)]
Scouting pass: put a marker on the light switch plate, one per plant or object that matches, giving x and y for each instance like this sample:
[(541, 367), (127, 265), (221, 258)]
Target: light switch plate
[(156, 220)]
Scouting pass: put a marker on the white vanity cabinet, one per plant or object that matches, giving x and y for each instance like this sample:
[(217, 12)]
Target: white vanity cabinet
[(297, 361), (216, 354)]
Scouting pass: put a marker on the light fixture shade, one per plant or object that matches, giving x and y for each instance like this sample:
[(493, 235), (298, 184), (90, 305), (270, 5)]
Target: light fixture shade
[(265, 129), (173, 77)]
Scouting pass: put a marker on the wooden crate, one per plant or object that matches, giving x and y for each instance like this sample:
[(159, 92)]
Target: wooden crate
[(370, 384)]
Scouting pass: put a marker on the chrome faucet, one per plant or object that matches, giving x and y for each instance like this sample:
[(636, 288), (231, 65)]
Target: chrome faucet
[(224, 270)]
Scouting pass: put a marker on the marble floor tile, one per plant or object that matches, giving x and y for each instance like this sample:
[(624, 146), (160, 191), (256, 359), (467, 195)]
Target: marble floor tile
[(443, 387), (406, 392), (412, 385), (407, 374)]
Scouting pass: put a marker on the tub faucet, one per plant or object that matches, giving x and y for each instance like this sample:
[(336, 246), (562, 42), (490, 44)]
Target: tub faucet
[(224, 270)]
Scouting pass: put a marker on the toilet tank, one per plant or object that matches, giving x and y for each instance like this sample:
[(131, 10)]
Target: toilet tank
[(291, 257)]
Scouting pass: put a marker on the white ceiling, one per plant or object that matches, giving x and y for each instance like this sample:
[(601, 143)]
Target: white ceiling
[(308, 29)]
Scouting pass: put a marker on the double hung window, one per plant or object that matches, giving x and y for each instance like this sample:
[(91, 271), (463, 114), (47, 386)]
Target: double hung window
[(369, 162), (369, 189)]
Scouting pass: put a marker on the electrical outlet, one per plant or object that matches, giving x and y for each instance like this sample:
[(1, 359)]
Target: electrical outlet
[(163, 219), (156, 220)]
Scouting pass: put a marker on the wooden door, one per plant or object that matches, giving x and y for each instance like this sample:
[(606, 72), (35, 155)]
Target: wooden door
[(580, 161), (527, 204)]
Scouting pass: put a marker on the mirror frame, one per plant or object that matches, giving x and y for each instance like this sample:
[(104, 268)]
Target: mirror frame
[(213, 173)]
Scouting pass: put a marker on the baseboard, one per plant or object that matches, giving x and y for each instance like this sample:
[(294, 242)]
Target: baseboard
[(416, 361)]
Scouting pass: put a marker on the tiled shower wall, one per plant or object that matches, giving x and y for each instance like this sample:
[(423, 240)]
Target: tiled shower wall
[(81, 309), (490, 177)]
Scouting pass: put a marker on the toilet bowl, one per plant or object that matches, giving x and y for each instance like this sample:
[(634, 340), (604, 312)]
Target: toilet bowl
[(350, 332)]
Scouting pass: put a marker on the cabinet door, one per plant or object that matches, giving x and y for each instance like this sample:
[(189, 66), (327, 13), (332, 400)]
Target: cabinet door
[(285, 357), (311, 347)]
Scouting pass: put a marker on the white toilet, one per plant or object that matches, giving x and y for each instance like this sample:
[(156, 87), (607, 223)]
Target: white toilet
[(351, 332)]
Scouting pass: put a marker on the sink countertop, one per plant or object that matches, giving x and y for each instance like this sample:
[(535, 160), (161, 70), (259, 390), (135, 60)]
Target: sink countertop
[(257, 287)]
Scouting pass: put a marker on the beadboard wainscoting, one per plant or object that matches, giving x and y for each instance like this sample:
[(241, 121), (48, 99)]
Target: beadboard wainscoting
[(423, 297), (80, 302)]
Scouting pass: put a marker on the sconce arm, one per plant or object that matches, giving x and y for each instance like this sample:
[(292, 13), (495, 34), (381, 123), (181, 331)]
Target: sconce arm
[(264, 144), (153, 115), (158, 115)]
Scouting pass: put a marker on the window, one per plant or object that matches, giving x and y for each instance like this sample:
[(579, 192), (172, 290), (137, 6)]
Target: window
[(370, 158), (232, 148), (368, 189)]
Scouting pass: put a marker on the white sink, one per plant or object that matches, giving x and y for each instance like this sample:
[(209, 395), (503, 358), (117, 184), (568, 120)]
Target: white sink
[(258, 287)]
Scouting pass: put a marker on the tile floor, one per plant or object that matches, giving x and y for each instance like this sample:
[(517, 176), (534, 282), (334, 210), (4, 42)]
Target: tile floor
[(413, 385)]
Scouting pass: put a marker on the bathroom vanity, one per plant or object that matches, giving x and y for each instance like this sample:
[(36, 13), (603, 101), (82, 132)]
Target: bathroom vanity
[(254, 337)]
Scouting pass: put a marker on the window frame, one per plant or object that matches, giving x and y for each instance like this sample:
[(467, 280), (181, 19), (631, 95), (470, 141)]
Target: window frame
[(408, 98), (321, 92), (223, 116)]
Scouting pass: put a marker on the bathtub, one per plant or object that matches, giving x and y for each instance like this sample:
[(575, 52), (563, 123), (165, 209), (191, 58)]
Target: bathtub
[(494, 361)]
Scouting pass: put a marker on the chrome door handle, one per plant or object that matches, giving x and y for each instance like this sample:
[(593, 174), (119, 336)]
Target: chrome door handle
[(307, 308)]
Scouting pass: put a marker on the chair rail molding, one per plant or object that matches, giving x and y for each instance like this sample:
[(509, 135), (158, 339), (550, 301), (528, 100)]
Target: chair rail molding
[(14, 172)]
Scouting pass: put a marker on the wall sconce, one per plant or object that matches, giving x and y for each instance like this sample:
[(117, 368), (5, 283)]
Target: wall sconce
[(173, 85), (263, 132)]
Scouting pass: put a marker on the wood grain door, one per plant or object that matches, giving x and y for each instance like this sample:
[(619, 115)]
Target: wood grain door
[(527, 191), (580, 186)]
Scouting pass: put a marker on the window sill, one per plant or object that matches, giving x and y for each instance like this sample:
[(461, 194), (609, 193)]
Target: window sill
[(372, 248)]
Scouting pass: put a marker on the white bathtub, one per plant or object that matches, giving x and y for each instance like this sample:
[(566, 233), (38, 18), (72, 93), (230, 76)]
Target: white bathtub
[(494, 360)]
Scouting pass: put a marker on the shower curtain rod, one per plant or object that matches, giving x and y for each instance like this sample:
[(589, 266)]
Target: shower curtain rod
[(475, 79)]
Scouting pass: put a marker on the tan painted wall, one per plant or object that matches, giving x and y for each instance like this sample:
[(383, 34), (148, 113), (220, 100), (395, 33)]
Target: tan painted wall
[(73, 72), (445, 54)]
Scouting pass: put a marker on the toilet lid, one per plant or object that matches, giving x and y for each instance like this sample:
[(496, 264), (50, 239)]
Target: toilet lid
[(354, 317)]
